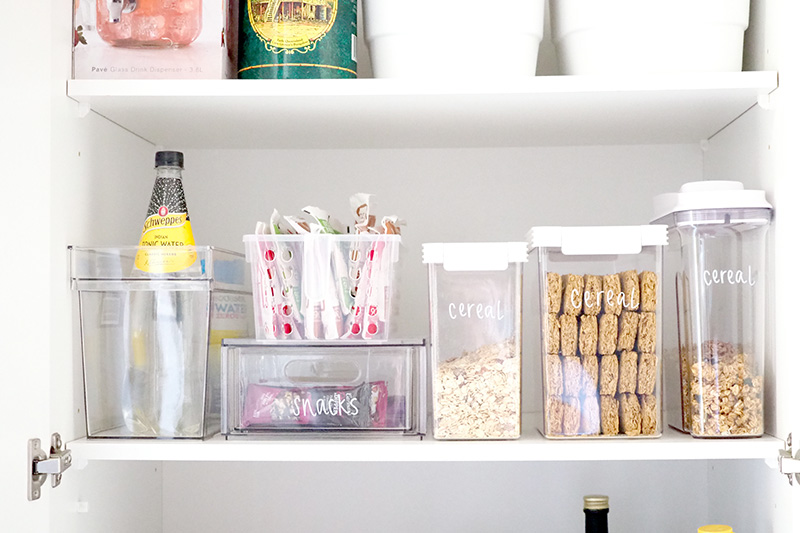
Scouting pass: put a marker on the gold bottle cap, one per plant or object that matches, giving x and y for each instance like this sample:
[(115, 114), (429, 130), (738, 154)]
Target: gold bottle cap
[(595, 502), (715, 528)]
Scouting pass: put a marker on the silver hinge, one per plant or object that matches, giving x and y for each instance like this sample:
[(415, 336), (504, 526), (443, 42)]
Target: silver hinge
[(788, 463), (41, 464)]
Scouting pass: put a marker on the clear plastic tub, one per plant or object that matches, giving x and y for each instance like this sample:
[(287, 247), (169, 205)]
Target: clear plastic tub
[(717, 279), (319, 387), (151, 342), (599, 297), (323, 287), (475, 296)]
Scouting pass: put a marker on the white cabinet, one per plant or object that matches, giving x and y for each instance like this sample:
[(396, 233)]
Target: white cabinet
[(479, 161)]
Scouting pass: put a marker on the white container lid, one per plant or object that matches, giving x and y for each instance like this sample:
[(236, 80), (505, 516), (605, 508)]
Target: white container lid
[(713, 194), (471, 256), (597, 240)]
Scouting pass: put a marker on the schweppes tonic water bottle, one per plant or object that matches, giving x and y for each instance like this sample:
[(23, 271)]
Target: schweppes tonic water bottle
[(167, 223)]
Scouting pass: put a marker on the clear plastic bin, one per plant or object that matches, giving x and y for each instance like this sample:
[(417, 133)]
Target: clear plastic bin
[(319, 387), (599, 296), (151, 342), (323, 287), (475, 296), (716, 307)]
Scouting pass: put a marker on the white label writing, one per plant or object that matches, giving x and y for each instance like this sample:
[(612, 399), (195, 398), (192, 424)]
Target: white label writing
[(488, 311), (610, 296), (730, 277), (334, 405)]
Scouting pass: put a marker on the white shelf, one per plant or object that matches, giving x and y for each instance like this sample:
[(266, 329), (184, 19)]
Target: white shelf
[(672, 445), (389, 113)]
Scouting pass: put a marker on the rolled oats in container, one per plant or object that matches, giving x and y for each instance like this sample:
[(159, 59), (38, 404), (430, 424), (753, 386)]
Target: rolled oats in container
[(599, 298), (475, 296)]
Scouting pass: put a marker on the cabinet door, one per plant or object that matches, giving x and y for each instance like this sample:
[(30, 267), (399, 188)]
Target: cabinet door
[(24, 271)]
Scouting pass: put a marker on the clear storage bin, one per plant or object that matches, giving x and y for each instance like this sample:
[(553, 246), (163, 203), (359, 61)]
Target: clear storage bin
[(599, 296), (151, 342), (716, 315), (322, 286), (475, 296), (319, 387)]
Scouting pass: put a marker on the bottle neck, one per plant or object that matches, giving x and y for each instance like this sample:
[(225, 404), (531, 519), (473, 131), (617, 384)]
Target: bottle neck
[(169, 172), (596, 520)]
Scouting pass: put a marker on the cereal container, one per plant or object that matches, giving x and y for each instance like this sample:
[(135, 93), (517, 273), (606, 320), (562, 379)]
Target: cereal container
[(475, 296), (716, 284), (599, 295)]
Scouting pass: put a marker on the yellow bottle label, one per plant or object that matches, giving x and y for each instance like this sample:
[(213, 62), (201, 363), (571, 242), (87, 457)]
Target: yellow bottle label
[(166, 225)]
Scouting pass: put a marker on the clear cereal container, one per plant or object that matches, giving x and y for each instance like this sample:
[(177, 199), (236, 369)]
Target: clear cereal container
[(475, 296), (716, 311), (322, 388), (599, 297), (323, 286)]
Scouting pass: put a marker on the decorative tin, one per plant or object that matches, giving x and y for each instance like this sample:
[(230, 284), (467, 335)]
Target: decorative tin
[(297, 39)]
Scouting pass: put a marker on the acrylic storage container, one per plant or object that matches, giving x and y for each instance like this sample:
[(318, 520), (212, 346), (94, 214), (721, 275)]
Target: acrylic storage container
[(322, 286), (453, 38), (475, 296), (599, 296), (637, 37), (151, 342), (323, 388), (716, 275)]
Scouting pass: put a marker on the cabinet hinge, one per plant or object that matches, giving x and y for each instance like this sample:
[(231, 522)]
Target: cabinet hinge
[(789, 463), (41, 464)]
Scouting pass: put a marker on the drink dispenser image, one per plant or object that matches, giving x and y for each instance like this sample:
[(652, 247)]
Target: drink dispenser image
[(149, 23), (715, 307)]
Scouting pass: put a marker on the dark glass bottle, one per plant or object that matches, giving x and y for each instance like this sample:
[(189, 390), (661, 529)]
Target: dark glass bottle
[(595, 507)]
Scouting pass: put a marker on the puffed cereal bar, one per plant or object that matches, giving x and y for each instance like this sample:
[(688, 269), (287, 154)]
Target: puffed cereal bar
[(648, 283), (609, 415), (630, 289), (648, 370), (568, 324), (627, 371), (607, 334), (587, 337), (609, 374), (592, 294), (647, 332), (630, 414), (612, 289), (628, 329), (573, 375), (573, 295), (554, 288)]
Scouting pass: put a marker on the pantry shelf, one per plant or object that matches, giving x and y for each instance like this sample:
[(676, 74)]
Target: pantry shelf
[(393, 113), (532, 447)]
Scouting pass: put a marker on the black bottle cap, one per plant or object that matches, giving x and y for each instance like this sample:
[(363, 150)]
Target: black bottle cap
[(169, 159)]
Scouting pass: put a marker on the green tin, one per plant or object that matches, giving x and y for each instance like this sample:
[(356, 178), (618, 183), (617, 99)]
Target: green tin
[(280, 39)]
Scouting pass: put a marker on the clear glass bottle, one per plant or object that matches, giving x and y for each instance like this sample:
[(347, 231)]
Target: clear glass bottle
[(149, 23), (595, 509), (163, 377)]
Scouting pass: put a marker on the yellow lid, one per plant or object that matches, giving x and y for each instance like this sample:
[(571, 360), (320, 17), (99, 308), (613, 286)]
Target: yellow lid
[(715, 528), (595, 502)]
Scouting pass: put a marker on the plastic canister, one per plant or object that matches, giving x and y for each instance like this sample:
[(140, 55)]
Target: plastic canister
[(475, 296), (715, 290)]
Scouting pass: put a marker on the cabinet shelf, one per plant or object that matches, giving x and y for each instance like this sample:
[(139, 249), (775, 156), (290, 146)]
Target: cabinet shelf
[(391, 113), (532, 447)]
